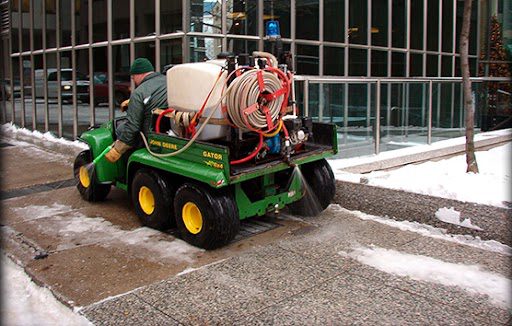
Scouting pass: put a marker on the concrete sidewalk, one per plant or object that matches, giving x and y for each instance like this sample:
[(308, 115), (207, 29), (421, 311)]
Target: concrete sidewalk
[(98, 258)]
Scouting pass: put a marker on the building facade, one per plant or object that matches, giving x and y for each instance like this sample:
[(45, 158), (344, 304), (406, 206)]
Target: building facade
[(66, 62)]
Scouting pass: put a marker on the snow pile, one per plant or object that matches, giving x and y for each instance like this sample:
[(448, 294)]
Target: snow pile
[(450, 215), (34, 212), (448, 178), (10, 128), (422, 268), (435, 233), (25, 303)]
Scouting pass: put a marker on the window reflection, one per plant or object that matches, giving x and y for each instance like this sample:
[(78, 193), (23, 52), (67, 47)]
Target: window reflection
[(170, 52), (307, 60), (307, 19), (242, 17), (170, 16), (204, 48), (65, 23), (38, 24), (399, 29), (357, 27), (206, 16), (99, 20), (100, 85), (120, 19), (121, 87), (380, 23), (278, 10), (334, 61), (82, 22), (334, 20), (416, 37), (144, 17), (51, 24)]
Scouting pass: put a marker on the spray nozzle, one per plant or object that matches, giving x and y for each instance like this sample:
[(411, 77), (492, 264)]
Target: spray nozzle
[(105, 151)]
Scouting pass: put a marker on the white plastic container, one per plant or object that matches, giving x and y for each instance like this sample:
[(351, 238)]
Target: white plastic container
[(188, 86)]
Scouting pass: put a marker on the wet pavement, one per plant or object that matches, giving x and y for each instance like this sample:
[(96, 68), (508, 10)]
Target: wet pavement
[(281, 270)]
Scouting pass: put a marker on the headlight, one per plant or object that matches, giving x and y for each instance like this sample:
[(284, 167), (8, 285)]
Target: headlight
[(67, 87)]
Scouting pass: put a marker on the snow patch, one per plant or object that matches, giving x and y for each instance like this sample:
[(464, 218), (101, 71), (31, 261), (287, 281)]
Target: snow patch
[(422, 268), (451, 216), (47, 136), (437, 233), (25, 303), (34, 212)]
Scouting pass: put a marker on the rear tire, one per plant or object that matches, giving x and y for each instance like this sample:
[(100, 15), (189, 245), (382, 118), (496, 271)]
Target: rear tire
[(206, 217), (322, 187), (85, 176), (153, 199)]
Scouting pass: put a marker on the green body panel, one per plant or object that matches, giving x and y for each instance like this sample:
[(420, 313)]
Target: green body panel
[(271, 202), (99, 139)]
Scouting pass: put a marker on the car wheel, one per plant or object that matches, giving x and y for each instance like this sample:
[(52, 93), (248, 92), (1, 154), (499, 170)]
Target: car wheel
[(85, 176), (153, 199), (206, 217)]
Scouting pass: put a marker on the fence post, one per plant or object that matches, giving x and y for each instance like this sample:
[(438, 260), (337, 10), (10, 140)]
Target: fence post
[(429, 133), (377, 118)]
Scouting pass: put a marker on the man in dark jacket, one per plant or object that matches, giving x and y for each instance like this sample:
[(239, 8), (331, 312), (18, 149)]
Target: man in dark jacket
[(150, 93)]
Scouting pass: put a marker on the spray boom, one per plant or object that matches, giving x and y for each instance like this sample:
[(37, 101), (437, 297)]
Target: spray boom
[(105, 151)]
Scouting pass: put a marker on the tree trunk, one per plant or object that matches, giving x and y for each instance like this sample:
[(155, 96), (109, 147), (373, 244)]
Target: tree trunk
[(466, 83)]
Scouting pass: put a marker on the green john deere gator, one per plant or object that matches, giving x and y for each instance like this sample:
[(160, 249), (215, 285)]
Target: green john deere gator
[(230, 146)]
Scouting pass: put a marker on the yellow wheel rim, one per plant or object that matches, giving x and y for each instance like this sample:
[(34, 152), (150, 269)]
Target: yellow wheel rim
[(83, 175), (192, 218), (146, 200)]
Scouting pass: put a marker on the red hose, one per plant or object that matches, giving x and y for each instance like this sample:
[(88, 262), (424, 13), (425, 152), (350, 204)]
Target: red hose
[(164, 112), (250, 156)]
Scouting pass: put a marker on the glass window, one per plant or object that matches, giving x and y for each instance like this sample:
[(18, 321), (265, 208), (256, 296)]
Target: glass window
[(334, 21), (66, 95), (447, 35), (16, 92), (120, 19), (27, 88), (432, 65), (358, 26), (144, 17), (380, 22), (379, 63), (416, 37), (306, 26), (242, 17), (146, 50), (473, 38), (446, 66), (399, 28), (65, 23), (398, 64), (83, 93), (204, 48), (15, 16), (238, 46), (100, 87), (416, 65), (38, 24), (170, 16), (206, 16), (51, 24), (99, 20), (121, 66), (170, 52), (433, 25), (278, 10), (307, 60), (53, 111), (334, 61), (357, 62), (82, 21)]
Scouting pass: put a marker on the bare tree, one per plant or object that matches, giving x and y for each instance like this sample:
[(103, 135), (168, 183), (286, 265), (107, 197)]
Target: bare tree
[(472, 166)]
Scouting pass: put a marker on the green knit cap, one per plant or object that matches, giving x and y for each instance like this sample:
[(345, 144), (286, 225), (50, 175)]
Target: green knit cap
[(140, 66)]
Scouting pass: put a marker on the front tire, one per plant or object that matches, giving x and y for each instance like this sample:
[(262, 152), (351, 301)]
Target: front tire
[(319, 185), (206, 217), (152, 198), (85, 176)]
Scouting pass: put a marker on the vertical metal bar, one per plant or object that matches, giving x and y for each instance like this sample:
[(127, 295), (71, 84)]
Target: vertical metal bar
[(369, 42), (261, 27), (425, 36), (92, 111), (321, 38), (461, 107), (32, 79), (109, 60), (293, 22), (306, 97), (158, 64), (59, 88), (131, 4), (377, 117), (423, 104), (45, 68), (438, 105), (452, 104), (390, 35), (345, 106), (429, 127), (224, 24), (478, 31), (440, 39), (347, 49), (408, 39), (185, 49), (321, 101), (368, 104), (20, 65), (454, 36), (11, 70), (74, 69)]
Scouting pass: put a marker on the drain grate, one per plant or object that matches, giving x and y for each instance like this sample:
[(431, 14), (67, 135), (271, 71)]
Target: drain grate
[(3, 144), (37, 188)]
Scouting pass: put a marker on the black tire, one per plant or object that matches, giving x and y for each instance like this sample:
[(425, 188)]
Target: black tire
[(218, 214), (85, 176), (320, 187), (153, 199)]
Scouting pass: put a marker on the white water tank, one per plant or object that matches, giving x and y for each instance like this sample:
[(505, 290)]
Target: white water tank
[(188, 86)]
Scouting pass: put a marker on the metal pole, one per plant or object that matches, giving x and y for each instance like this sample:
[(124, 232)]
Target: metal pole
[(429, 127), (32, 79), (306, 98), (59, 88), (377, 118)]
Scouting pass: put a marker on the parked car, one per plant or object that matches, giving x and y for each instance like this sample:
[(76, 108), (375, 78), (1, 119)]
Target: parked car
[(66, 84), (122, 88), (6, 85)]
